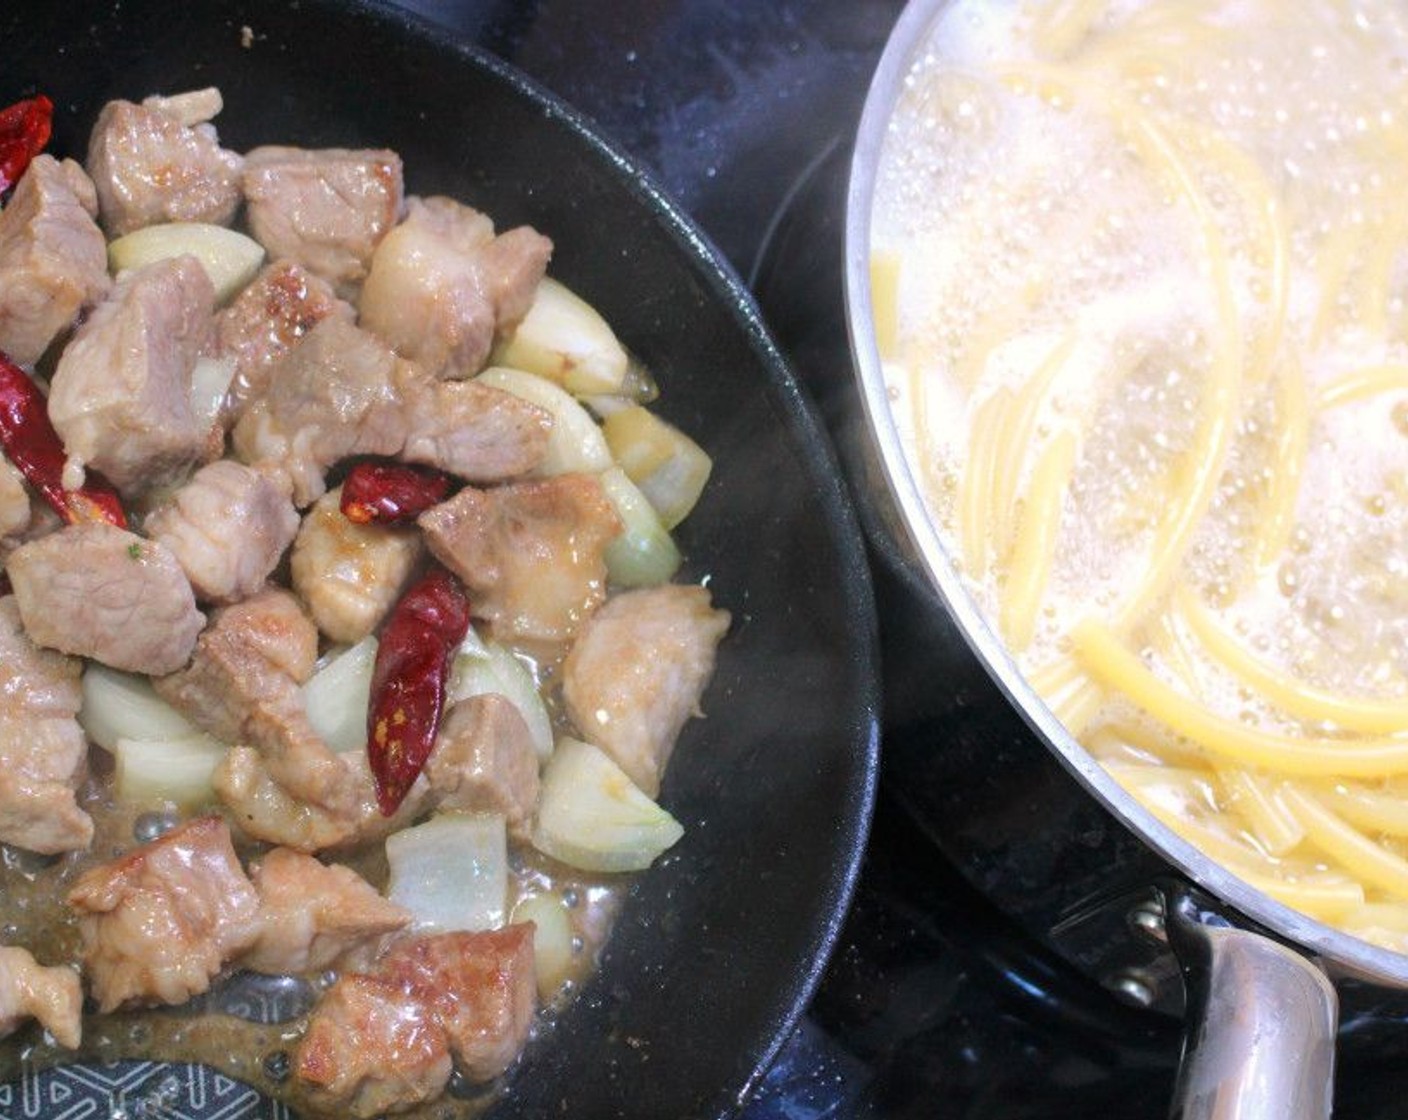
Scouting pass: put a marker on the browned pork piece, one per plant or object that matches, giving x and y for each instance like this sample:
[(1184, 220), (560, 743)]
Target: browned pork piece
[(227, 527), (150, 167), (442, 286), (42, 748), (28, 990), (310, 914), (476, 432), (484, 762), (242, 687), (161, 921), (381, 1041), (530, 553), (121, 396), (326, 209), (99, 591), (350, 575), (333, 395), (637, 671), (53, 260), (266, 810), (275, 310)]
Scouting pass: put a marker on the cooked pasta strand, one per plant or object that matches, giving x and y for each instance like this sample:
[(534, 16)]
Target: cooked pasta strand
[(1108, 662), (1037, 528), (1297, 698), (1349, 846)]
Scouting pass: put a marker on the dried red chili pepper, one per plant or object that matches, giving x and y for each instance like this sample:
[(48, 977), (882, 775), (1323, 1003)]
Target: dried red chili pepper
[(408, 682), (24, 130), (33, 446), (388, 493)]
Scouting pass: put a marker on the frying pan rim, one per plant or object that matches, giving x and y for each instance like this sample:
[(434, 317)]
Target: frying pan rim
[(797, 414)]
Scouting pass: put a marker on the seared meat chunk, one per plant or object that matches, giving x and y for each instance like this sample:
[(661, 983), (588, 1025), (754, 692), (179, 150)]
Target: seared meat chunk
[(325, 209), (442, 285), (479, 987), (159, 922), (531, 553), (99, 591), (149, 167), (121, 396), (53, 260), (637, 671), (381, 1041), (276, 309), (42, 748), (14, 500), (350, 575), (484, 762), (333, 395), (227, 527), (367, 1051), (477, 432), (242, 687), (310, 913), (265, 810), (28, 990)]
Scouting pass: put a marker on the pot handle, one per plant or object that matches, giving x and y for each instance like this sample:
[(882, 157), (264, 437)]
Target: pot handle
[(1261, 1038)]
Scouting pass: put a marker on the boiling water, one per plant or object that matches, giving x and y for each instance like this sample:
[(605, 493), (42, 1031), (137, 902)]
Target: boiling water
[(1140, 272)]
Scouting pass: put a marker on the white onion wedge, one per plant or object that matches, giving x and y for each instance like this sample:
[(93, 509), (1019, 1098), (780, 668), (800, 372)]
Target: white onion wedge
[(338, 695), (564, 339), (119, 705), (552, 940), (230, 259), (592, 817), (644, 554), (156, 771), (452, 871)]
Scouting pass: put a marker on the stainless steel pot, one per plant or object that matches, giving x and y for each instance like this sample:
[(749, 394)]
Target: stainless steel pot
[(1075, 847)]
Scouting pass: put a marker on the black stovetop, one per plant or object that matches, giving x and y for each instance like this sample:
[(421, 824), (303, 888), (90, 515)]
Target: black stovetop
[(935, 1003)]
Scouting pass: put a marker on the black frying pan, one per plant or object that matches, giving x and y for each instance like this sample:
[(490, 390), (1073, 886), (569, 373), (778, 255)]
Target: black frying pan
[(721, 943)]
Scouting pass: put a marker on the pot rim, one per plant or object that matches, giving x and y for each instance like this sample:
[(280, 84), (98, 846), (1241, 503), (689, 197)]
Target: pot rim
[(1350, 955)]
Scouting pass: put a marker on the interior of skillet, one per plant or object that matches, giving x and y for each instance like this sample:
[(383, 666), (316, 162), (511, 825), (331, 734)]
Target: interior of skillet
[(720, 944)]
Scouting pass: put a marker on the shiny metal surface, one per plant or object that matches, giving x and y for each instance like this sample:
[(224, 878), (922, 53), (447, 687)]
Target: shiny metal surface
[(1264, 1045)]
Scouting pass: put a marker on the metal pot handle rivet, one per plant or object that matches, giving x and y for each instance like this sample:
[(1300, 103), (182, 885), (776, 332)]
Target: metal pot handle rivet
[(1260, 1044)]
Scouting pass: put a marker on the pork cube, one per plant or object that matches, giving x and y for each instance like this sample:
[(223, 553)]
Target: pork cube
[(161, 921), (636, 672), (348, 574), (442, 286), (326, 209), (28, 990), (381, 1041), (310, 913), (242, 686), (333, 395), (42, 748), (149, 167), (480, 987), (477, 432), (121, 395), (484, 761), (275, 310), (53, 259), (99, 591), (265, 810), (227, 527), (368, 1051), (530, 553)]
